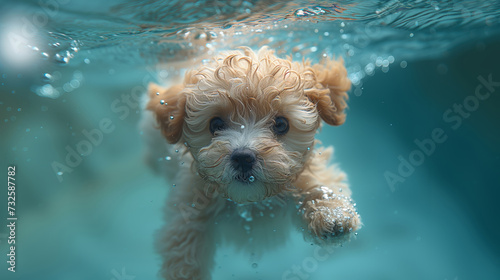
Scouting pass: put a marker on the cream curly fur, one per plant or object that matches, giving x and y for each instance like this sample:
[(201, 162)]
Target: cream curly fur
[(291, 178)]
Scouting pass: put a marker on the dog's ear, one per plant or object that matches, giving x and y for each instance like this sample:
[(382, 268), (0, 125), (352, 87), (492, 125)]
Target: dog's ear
[(168, 106), (330, 92)]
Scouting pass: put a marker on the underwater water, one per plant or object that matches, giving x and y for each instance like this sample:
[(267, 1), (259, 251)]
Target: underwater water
[(420, 144)]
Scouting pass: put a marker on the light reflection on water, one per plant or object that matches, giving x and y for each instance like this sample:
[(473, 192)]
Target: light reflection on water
[(367, 34)]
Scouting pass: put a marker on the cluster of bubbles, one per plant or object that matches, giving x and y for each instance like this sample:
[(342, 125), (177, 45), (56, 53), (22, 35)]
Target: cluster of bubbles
[(370, 36), (333, 39), (315, 11), (198, 41), (51, 91), (357, 72), (260, 209), (61, 51)]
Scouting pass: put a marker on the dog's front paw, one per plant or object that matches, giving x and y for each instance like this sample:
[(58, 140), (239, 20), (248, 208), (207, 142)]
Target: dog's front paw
[(332, 223)]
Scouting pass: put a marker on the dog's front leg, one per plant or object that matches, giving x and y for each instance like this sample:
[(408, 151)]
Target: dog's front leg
[(325, 205), (187, 251), (329, 215), (186, 243)]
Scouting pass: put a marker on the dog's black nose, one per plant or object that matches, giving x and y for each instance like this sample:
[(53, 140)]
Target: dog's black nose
[(243, 159)]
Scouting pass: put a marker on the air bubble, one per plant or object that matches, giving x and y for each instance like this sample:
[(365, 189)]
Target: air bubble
[(251, 179), (168, 158), (67, 87), (78, 75), (358, 91), (48, 91), (74, 46), (163, 74), (163, 102), (171, 117), (369, 68), (255, 265), (61, 59), (47, 78), (75, 83)]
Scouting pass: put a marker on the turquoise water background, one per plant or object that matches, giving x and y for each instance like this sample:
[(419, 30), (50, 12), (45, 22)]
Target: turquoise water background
[(67, 67)]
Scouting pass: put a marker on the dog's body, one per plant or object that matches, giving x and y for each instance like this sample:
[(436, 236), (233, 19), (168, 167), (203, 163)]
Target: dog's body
[(243, 164)]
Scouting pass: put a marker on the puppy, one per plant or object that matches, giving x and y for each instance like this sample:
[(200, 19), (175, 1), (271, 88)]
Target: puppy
[(242, 159)]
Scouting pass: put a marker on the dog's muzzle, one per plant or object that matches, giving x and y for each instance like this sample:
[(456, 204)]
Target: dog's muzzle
[(243, 160)]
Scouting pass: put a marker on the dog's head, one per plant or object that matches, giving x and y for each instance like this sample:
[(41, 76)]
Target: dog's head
[(249, 119)]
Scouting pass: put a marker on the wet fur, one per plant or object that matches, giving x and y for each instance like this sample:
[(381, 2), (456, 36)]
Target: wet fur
[(294, 185)]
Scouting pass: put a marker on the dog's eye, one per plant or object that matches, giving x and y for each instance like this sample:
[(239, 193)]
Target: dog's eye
[(216, 124), (280, 126)]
